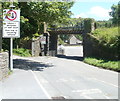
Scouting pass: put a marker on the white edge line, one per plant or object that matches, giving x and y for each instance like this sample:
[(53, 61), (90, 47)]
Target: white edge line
[(107, 83), (87, 97), (46, 93)]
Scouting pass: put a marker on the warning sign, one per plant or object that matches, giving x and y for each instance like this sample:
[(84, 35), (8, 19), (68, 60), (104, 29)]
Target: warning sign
[(11, 15), (11, 29), (11, 23)]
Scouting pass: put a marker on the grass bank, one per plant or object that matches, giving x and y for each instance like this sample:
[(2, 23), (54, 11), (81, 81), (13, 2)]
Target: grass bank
[(111, 65)]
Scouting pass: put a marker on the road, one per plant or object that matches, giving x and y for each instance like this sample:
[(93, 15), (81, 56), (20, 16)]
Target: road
[(58, 78)]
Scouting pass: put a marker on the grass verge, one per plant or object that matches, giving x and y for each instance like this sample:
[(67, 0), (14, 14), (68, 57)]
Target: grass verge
[(22, 52), (111, 65)]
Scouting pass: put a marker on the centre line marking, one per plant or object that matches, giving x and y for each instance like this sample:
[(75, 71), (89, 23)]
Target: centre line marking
[(46, 93)]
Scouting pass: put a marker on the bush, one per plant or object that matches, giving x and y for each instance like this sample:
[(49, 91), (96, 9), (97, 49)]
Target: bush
[(112, 65), (109, 41), (60, 41), (108, 36), (22, 52)]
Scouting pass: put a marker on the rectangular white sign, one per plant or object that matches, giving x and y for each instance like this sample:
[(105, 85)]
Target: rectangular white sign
[(11, 29), (11, 15), (43, 40)]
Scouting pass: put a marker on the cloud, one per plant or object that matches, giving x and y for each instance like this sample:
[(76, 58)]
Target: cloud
[(83, 15), (96, 12), (99, 11)]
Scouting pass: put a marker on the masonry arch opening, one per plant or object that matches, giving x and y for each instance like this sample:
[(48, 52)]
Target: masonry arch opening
[(67, 44), (70, 45)]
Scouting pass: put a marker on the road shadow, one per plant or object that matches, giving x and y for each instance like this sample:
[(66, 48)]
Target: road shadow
[(78, 58), (30, 65)]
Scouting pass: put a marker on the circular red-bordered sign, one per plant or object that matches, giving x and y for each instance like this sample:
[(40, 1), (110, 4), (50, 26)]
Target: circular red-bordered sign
[(13, 15)]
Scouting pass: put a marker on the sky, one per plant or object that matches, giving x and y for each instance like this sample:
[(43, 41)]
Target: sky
[(97, 10)]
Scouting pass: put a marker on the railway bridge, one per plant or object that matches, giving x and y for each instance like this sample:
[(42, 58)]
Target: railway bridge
[(50, 36), (54, 32)]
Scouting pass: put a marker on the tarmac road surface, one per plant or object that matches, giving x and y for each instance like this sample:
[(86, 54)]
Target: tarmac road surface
[(58, 78)]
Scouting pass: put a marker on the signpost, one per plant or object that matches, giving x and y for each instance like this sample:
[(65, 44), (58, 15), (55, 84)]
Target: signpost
[(11, 23), (11, 28)]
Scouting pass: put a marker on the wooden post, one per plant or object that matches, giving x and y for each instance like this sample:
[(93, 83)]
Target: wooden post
[(0, 26)]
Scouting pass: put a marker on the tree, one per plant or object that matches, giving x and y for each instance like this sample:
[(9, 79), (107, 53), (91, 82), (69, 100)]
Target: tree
[(34, 14), (114, 13), (49, 12)]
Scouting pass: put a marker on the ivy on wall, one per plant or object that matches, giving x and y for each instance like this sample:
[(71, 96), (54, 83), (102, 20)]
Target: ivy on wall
[(88, 25)]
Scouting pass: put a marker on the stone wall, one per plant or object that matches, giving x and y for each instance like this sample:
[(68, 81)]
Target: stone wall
[(36, 50), (4, 64), (92, 48)]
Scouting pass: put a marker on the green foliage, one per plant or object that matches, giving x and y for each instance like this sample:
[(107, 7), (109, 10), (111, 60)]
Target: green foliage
[(107, 36), (103, 24), (60, 41), (5, 44), (36, 35), (10, 72), (6, 5), (22, 52), (106, 43), (115, 13), (49, 12), (79, 37), (87, 24), (69, 22), (113, 65), (64, 37)]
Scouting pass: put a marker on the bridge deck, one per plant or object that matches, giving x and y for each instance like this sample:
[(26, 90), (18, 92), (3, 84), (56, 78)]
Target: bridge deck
[(66, 32)]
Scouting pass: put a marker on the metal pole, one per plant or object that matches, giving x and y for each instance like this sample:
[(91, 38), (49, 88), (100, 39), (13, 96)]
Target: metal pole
[(11, 53), (11, 44)]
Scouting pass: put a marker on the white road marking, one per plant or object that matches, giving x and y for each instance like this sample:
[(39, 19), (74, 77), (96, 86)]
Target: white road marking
[(106, 96), (87, 97), (44, 81), (62, 80), (106, 82), (72, 80), (46, 93), (87, 92)]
